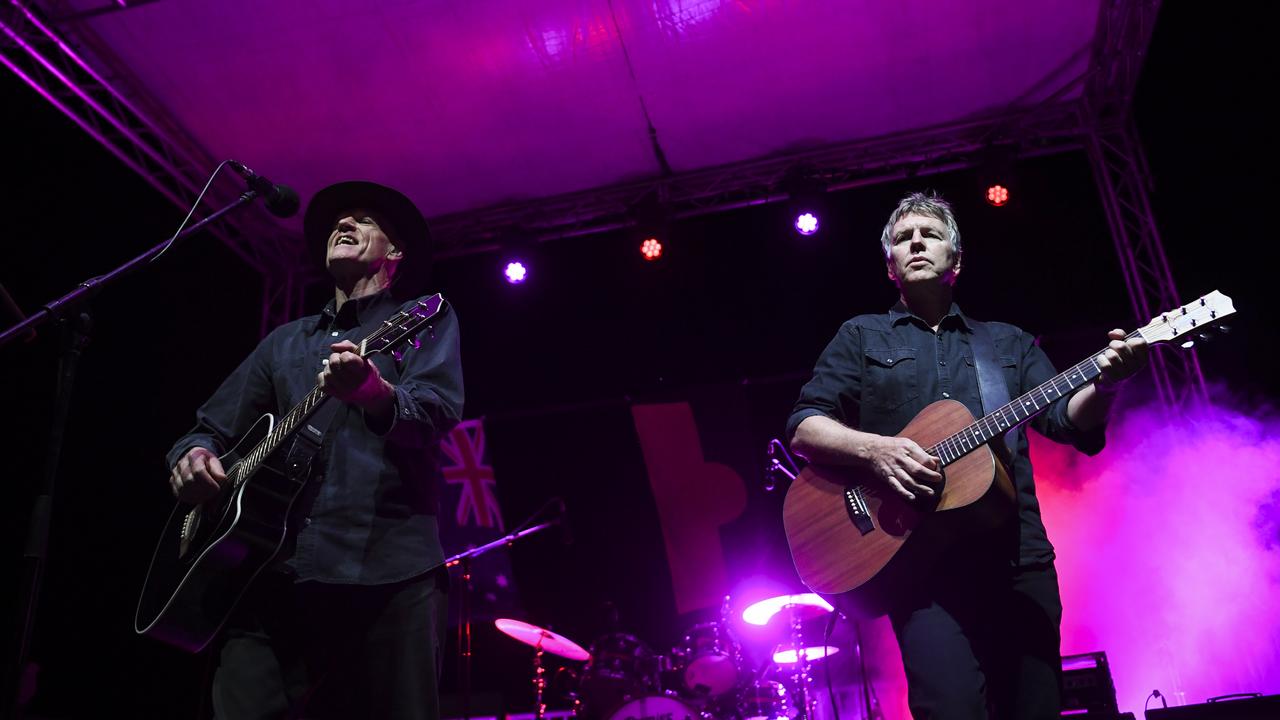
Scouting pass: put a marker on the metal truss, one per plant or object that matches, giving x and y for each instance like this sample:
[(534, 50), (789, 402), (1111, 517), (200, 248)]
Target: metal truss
[(1124, 179), (70, 68), (1039, 130), (78, 74)]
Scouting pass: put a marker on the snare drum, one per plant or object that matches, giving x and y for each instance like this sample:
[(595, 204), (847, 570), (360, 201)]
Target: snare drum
[(655, 707), (709, 660), (764, 700)]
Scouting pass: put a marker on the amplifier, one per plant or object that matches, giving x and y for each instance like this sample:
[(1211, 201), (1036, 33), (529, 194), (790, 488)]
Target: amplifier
[(1087, 685), (1257, 707)]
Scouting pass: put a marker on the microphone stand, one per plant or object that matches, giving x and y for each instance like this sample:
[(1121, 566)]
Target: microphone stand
[(464, 559), (74, 325)]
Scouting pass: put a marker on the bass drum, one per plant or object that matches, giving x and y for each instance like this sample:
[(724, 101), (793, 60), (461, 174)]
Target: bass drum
[(656, 707)]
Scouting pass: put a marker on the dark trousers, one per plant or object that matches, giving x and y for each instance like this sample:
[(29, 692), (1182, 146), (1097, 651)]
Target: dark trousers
[(315, 650), (983, 642)]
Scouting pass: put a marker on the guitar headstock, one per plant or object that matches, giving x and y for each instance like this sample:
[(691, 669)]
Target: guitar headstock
[(1189, 320), (402, 327)]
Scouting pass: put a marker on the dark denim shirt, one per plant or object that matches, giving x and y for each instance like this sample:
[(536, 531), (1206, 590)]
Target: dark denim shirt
[(368, 515), (881, 370)]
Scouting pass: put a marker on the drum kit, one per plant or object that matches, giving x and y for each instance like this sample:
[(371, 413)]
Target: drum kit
[(705, 677)]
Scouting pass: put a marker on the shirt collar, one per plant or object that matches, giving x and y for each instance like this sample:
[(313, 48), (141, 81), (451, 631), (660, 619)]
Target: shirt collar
[(354, 312), (900, 314)]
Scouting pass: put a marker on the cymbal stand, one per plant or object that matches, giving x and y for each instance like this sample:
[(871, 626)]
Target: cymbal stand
[(539, 683), (800, 678)]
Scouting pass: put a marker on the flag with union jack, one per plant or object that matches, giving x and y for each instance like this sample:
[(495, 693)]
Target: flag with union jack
[(476, 518)]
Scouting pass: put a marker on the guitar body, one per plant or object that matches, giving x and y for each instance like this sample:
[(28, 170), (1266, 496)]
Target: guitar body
[(207, 556), (861, 563)]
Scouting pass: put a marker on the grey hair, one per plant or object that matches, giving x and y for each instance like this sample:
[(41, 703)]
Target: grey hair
[(918, 203)]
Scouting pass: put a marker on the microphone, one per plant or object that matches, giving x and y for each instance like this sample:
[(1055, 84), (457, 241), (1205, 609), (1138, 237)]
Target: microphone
[(566, 534), (280, 200)]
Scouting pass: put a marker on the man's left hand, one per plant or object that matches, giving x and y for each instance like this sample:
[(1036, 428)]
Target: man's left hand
[(1121, 359), (353, 379)]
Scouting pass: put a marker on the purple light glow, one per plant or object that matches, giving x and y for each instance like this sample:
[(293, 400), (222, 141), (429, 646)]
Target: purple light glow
[(515, 272), (1168, 547), (806, 223), (762, 612), (1168, 551), (817, 652)]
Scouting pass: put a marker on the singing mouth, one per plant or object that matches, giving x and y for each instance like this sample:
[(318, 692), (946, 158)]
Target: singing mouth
[(345, 240)]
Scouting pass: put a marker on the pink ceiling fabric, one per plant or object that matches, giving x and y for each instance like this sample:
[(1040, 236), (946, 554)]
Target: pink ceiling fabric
[(468, 103)]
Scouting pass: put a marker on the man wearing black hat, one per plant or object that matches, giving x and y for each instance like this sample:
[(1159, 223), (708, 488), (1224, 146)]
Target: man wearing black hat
[(350, 622)]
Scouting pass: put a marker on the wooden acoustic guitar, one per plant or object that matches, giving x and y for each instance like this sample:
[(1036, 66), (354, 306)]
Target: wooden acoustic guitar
[(859, 543)]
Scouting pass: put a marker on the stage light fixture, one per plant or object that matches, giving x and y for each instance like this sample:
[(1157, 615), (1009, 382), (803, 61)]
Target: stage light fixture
[(515, 272), (997, 195), (651, 248), (652, 225), (996, 174), (806, 223), (518, 254), (806, 193)]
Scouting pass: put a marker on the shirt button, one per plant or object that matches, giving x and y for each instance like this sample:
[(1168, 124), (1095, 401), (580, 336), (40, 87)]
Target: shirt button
[(306, 522), (942, 362), (334, 333), (946, 395)]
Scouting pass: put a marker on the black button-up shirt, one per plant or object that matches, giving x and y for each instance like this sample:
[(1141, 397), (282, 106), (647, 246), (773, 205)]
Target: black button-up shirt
[(371, 504), (881, 370)]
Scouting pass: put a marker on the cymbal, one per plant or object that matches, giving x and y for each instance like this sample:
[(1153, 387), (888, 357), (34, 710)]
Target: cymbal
[(808, 605), (817, 652), (546, 640)]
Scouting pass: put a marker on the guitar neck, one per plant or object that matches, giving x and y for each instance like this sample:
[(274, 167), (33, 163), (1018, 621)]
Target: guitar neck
[(283, 429), (1019, 410), (390, 335)]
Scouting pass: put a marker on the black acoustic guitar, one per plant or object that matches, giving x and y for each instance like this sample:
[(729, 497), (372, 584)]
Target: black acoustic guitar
[(209, 554)]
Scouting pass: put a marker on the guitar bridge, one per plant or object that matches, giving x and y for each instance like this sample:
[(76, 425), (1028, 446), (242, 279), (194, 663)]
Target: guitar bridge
[(856, 504)]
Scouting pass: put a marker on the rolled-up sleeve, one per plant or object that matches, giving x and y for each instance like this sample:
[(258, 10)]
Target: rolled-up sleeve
[(1054, 422), (429, 394), (835, 390)]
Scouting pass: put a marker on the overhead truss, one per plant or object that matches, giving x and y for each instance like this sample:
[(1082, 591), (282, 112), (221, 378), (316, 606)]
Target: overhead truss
[(65, 62)]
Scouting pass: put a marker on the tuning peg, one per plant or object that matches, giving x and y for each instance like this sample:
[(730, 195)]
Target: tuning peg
[(398, 354), (1205, 336), (1188, 344), (1224, 329), (415, 342)]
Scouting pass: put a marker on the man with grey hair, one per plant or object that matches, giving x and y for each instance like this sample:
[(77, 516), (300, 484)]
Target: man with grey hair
[(979, 631)]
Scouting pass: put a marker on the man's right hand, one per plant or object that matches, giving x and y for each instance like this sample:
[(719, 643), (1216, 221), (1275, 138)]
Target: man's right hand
[(903, 465), (197, 477)]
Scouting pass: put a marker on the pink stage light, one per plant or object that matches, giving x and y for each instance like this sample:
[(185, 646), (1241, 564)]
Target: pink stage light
[(651, 249), (806, 223), (998, 195), (515, 272), (817, 652), (762, 612)]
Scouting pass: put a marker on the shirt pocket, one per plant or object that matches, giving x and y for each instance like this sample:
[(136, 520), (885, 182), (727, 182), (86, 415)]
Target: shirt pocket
[(892, 377)]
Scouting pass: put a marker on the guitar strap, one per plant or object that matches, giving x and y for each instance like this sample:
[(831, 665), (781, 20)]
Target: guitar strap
[(991, 385), (310, 437)]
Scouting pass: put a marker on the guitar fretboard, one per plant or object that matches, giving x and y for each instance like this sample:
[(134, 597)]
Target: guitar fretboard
[(391, 333), (1019, 410)]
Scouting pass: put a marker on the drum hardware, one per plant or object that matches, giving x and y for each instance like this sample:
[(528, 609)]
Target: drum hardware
[(541, 641), (796, 609)]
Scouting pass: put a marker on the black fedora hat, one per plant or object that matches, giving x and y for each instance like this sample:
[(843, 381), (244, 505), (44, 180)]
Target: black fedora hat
[(408, 229)]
